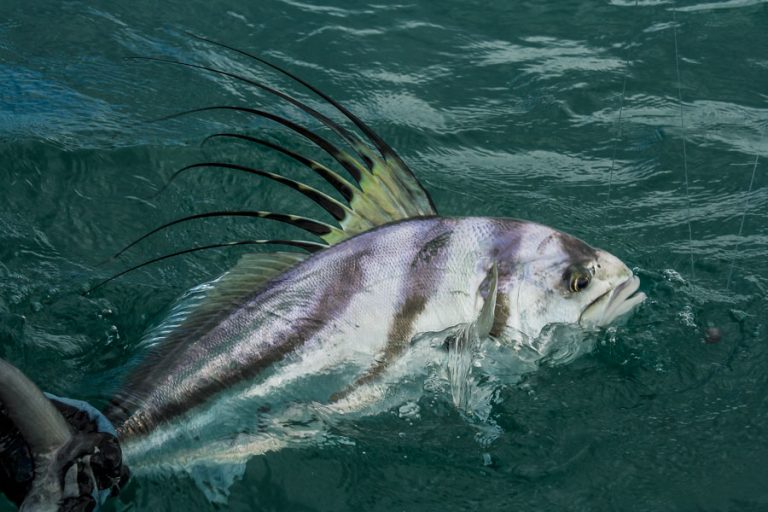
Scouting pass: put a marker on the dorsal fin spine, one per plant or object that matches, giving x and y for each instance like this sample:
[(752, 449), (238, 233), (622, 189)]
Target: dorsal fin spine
[(344, 187), (354, 141), (315, 227), (302, 244), (331, 205), (355, 168), (361, 203), (385, 149)]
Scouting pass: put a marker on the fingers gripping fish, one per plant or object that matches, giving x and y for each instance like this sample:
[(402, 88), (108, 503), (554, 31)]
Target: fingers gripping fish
[(388, 272)]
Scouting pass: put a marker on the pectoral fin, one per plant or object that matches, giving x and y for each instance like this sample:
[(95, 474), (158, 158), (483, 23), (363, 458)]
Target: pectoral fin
[(485, 319), (465, 339)]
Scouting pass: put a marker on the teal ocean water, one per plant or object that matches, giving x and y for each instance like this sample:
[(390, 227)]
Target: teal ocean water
[(641, 127)]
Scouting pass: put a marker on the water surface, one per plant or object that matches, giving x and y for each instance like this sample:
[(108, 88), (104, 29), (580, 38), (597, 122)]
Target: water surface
[(586, 116)]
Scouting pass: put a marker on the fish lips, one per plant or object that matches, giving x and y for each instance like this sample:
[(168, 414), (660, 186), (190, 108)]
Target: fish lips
[(614, 303)]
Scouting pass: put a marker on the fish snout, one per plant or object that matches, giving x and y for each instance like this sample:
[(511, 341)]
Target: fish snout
[(621, 293)]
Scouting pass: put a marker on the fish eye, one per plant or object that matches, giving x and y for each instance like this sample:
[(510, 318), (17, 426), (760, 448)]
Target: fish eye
[(578, 278)]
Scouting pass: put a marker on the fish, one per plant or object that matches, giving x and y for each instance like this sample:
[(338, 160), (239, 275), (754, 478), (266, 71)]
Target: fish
[(289, 338)]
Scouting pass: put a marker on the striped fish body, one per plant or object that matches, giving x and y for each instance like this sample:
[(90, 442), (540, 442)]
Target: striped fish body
[(342, 319), (358, 305), (391, 270)]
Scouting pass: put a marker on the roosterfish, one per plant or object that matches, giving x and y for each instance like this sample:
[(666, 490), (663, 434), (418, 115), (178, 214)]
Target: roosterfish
[(286, 342)]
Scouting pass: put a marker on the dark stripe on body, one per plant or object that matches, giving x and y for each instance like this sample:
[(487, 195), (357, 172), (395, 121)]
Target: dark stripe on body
[(329, 305), (419, 285), (579, 252), (507, 237), (500, 314)]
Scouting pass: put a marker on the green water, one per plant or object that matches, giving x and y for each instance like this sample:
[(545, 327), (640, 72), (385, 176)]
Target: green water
[(566, 113)]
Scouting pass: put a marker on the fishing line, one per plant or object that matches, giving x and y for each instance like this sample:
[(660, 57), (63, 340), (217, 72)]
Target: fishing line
[(685, 155), (616, 140), (741, 226), (619, 129)]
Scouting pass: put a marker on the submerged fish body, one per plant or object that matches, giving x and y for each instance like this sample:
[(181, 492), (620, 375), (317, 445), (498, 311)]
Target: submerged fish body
[(360, 305)]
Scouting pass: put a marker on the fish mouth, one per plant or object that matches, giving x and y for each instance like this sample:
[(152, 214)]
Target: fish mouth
[(614, 303)]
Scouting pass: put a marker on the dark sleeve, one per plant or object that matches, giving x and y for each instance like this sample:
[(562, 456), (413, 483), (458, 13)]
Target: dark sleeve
[(16, 466)]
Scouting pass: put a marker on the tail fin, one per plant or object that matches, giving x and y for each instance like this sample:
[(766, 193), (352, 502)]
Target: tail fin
[(58, 454)]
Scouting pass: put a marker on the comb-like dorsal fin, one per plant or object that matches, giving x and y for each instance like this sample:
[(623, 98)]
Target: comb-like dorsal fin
[(402, 177), (388, 190)]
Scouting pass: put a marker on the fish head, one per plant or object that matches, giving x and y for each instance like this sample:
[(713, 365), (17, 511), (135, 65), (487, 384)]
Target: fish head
[(559, 279)]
